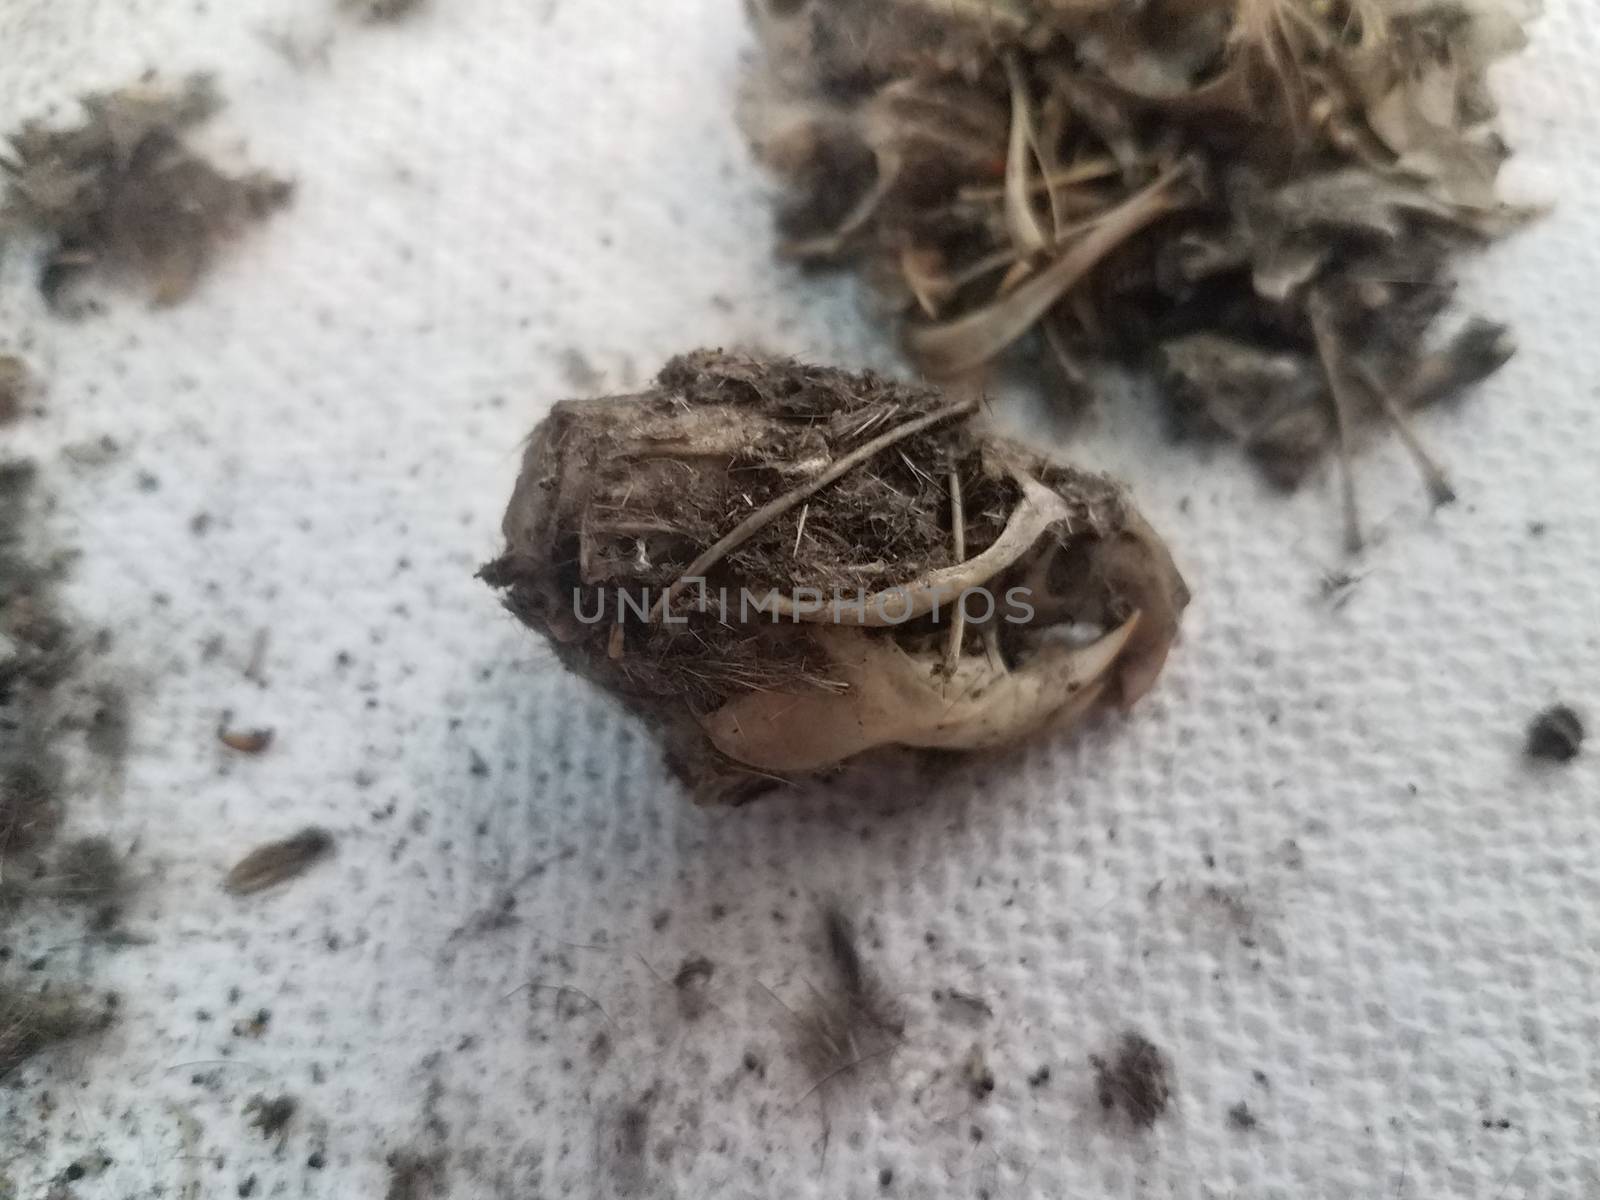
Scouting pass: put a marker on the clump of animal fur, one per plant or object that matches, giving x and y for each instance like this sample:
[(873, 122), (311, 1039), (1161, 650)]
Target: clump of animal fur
[(122, 192), (31, 1021), (1259, 200), (1135, 1080), (768, 559)]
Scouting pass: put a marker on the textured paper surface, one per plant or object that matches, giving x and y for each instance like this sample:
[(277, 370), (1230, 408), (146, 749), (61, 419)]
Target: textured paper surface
[(1311, 867)]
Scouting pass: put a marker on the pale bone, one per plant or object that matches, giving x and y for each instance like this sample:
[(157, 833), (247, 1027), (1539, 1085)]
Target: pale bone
[(900, 699), (969, 341), (1039, 510)]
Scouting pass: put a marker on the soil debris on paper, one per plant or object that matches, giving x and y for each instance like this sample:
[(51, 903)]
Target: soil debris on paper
[(277, 862), (1134, 1080), (245, 741), (1555, 735), (271, 1116), (414, 1176), (1258, 202), (963, 1007), (691, 982), (40, 688), (656, 540), (33, 1020), (36, 654), (87, 870), (123, 194), (978, 1074), (382, 12)]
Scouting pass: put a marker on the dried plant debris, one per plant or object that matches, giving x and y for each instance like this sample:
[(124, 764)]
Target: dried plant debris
[(1257, 199), (786, 566), (31, 1021), (123, 193), (1134, 1080), (277, 862), (1555, 735)]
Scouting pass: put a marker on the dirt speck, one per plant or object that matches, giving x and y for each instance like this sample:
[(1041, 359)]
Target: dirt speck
[(578, 373), (245, 741), (1240, 1117), (629, 1142), (253, 1026), (979, 1078), (382, 12), (1555, 735), (414, 1176), (271, 1116), (87, 871), (1134, 1080), (109, 731), (691, 981), (962, 1007)]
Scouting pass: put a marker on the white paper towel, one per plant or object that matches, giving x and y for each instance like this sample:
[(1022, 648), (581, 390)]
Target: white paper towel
[(1311, 867)]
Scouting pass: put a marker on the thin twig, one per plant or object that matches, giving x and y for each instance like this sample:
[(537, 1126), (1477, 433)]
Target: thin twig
[(801, 532), (1433, 476), (991, 648), (958, 535), (1021, 220), (1331, 353), (771, 511), (1082, 172)]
